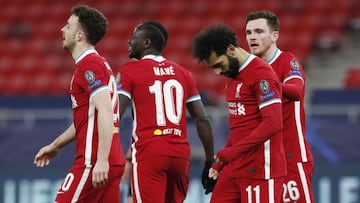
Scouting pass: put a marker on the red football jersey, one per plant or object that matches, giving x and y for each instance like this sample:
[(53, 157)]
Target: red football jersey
[(93, 74), (259, 155), (288, 68), (160, 90)]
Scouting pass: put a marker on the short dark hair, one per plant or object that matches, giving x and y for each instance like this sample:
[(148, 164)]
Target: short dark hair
[(161, 28), (154, 34), (216, 38), (270, 17), (92, 21)]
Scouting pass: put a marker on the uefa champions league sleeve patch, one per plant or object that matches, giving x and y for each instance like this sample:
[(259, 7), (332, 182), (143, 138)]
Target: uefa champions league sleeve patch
[(89, 76), (294, 65), (118, 77), (295, 68), (265, 89), (264, 86), (117, 80)]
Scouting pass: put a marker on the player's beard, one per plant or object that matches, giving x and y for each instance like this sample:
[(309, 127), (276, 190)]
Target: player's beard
[(69, 44), (234, 66)]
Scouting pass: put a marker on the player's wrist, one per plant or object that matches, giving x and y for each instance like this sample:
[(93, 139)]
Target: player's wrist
[(128, 159)]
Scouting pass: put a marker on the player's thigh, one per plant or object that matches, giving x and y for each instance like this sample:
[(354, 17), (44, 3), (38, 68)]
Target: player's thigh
[(112, 187), (177, 180), (75, 186), (226, 190), (298, 183), (261, 191), (149, 179)]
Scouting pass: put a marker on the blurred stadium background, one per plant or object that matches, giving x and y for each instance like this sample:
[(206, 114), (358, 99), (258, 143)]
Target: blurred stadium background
[(35, 72)]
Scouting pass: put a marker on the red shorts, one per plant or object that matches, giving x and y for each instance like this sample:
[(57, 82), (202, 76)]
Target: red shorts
[(235, 190), (160, 179), (77, 186), (298, 184)]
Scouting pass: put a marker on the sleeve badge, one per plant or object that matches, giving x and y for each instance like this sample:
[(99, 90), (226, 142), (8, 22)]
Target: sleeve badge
[(264, 86), (294, 65), (89, 76)]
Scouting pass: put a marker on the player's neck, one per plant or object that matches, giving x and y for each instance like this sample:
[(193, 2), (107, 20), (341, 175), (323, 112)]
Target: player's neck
[(150, 52), (81, 48), (241, 55), (269, 54)]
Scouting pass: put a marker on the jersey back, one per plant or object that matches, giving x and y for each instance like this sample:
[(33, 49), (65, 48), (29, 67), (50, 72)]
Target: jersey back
[(159, 90)]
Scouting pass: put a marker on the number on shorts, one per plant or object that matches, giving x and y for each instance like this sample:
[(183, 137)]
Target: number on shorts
[(256, 190), (291, 192), (67, 182)]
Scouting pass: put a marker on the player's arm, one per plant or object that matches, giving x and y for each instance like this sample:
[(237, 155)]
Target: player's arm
[(270, 125), (204, 131), (126, 177), (268, 93), (293, 89), (102, 102), (46, 153), (123, 103), (293, 83), (203, 127)]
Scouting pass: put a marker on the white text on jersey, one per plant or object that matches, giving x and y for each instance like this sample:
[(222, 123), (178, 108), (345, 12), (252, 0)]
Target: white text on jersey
[(164, 71)]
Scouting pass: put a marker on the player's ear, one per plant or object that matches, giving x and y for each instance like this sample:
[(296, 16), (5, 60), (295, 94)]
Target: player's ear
[(147, 43), (275, 36), (230, 50), (80, 35)]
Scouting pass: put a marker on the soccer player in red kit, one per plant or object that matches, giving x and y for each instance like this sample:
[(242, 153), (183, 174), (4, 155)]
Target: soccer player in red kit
[(99, 163), (160, 92), (262, 33), (251, 168)]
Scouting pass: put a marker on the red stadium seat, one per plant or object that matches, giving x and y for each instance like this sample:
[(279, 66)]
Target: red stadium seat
[(40, 50), (316, 6), (352, 78), (173, 9), (14, 84), (309, 22)]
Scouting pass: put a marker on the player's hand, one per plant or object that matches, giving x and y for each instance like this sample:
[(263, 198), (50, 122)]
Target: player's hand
[(45, 154), (100, 173), (213, 174), (126, 177), (205, 172), (207, 182)]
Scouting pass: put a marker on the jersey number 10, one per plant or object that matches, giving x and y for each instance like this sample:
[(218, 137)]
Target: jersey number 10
[(168, 101)]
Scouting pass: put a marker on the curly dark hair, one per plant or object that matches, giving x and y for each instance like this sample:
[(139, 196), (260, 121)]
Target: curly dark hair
[(92, 21), (216, 38), (270, 17)]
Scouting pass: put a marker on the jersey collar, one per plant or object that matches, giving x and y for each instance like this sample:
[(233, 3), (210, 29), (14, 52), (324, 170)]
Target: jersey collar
[(246, 62), (276, 55), (85, 53), (157, 58)]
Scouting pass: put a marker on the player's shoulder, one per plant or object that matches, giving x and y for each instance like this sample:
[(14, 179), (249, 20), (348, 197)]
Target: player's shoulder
[(288, 56), (178, 67), (288, 59), (259, 69), (260, 65), (131, 62), (91, 61), (129, 65)]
